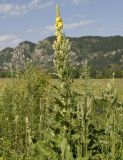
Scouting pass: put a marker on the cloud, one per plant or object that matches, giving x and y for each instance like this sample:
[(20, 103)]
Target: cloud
[(38, 4), (76, 1), (81, 1), (73, 25), (78, 24), (101, 29), (9, 40), (50, 28), (15, 10), (45, 29), (67, 26), (30, 30), (5, 8), (5, 38)]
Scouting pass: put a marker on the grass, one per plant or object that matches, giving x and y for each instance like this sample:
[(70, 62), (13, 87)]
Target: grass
[(3, 82), (99, 82), (118, 85), (77, 82)]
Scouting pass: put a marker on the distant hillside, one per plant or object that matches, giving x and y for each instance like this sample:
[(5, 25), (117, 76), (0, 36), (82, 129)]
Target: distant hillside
[(104, 54)]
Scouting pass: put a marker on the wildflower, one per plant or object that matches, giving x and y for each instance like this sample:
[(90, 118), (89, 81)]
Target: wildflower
[(59, 25), (58, 19), (26, 120), (59, 22), (59, 37)]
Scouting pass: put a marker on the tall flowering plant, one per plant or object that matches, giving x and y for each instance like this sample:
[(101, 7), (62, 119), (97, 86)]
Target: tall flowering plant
[(61, 50), (64, 102)]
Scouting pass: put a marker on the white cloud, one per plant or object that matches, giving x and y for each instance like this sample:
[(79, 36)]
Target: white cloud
[(50, 28), (5, 8), (67, 26), (81, 1), (34, 3), (73, 25), (76, 1), (15, 10), (9, 40), (101, 29), (30, 30), (5, 38), (38, 4), (78, 24), (45, 29)]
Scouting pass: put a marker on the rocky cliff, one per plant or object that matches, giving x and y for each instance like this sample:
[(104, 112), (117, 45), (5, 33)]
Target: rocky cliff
[(101, 52)]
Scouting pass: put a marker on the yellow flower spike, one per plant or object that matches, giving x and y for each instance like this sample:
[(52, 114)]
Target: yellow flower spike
[(56, 33), (59, 22), (58, 19), (59, 37), (59, 26)]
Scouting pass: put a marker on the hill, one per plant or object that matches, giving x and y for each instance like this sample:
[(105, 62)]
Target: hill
[(104, 54)]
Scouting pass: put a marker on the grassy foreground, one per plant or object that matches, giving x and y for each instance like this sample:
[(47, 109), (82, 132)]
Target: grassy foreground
[(77, 83), (98, 82)]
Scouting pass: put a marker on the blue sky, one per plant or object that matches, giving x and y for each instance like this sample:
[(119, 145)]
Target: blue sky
[(34, 20)]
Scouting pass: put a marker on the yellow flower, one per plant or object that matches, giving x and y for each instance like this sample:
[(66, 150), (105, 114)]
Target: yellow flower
[(59, 23), (59, 37), (58, 19), (54, 45), (56, 33), (59, 26)]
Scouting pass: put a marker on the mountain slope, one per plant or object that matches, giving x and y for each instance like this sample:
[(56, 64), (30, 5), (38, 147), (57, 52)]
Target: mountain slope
[(103, 53), (6, 57)]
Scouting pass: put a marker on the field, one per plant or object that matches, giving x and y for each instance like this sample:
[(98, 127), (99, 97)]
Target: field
[(77, 83), (99, 82)]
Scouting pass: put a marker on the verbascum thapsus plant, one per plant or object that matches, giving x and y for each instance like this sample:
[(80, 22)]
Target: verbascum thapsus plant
[(65, 101)]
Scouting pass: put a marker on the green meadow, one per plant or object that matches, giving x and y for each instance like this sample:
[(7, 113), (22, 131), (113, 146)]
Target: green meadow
[(77, 82), (98, 83)]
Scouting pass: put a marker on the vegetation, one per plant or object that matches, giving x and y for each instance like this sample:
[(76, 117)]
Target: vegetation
[(43, 121)]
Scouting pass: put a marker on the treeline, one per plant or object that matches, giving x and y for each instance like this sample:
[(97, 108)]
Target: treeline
[(100, 74), (76, 73)]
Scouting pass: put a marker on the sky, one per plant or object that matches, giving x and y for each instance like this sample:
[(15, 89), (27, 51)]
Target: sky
[(34, 20)]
